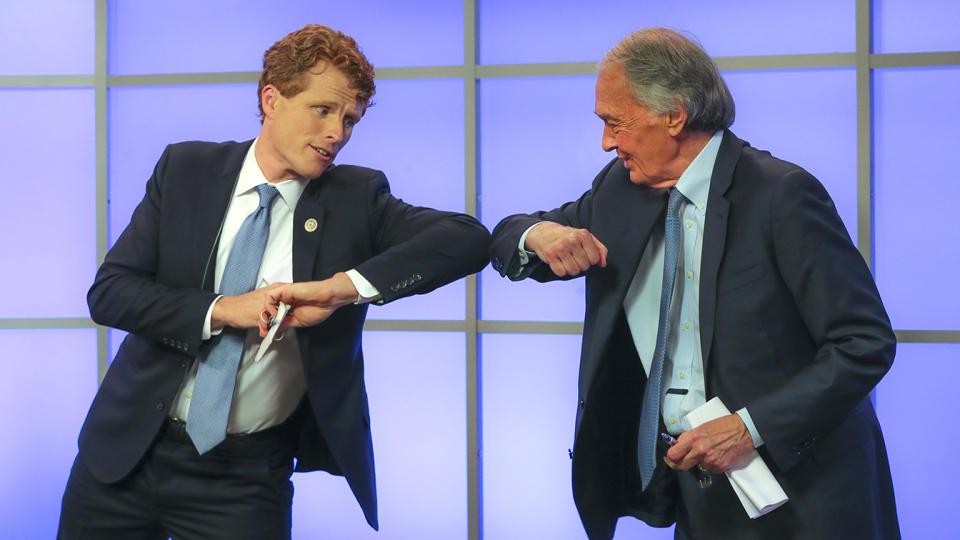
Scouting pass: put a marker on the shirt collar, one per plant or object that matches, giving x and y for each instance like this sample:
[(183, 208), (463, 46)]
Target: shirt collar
[(251, 176), (694, 183)]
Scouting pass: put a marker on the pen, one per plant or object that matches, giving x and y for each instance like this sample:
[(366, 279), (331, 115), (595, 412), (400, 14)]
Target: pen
[(702, 476)]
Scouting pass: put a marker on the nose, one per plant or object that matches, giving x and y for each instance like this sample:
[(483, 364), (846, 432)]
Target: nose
[(333, 130), (608, 141)]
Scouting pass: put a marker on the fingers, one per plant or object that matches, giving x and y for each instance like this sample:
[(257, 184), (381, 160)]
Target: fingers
[(265, 317), (683, 455), (602, 251), (690, 451), (569, 251), (716, 446), (264, 322), (288, 322), (268, 309)]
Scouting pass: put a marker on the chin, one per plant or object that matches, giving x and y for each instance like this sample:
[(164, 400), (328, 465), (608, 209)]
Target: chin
[(314, 172)]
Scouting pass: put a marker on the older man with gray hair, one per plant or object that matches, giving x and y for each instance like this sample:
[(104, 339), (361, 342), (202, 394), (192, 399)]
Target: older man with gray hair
[(713, 270)]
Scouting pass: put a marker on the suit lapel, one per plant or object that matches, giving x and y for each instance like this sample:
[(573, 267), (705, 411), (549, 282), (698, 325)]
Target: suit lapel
[(714, 238), (307, 231), (628, 219), (210, 206), (635, 212)]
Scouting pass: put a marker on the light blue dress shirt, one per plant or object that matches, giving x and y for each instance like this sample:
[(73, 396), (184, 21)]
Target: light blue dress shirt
[(684, 387)]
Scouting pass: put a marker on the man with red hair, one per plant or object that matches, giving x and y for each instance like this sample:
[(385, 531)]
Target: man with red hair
[(191, 435)]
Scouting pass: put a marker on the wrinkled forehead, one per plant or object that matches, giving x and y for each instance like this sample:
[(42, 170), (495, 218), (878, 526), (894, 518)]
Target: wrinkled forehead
[(613, 92)]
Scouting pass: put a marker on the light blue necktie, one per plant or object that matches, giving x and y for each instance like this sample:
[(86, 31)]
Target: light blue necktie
[(217, 374), (650, 413)]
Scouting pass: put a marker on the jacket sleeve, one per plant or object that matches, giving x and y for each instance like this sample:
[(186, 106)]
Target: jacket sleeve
[(126, 294), (418, 249), (838, 302)]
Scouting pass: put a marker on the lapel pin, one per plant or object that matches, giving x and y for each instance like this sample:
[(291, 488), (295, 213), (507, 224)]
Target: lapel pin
[(310, 225)]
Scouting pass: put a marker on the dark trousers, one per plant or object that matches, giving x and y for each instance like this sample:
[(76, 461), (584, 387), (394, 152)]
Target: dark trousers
[(240, 489)]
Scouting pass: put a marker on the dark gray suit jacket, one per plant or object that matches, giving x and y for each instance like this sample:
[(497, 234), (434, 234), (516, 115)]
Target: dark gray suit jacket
[(156, 283), (792, 327)]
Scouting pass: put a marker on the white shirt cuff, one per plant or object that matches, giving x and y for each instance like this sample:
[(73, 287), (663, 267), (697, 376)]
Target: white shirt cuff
[(367, 292), (525, 255), (206, 333), (754, 434)]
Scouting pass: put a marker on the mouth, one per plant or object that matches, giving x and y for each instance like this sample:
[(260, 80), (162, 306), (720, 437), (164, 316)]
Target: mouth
[(322, 152)]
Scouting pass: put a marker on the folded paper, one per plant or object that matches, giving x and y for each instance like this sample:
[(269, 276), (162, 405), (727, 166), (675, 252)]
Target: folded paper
[(754, 484)]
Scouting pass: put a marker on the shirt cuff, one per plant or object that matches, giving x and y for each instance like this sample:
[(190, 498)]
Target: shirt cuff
[(525, 255), (206, 333), (754, 434), (366, 291)]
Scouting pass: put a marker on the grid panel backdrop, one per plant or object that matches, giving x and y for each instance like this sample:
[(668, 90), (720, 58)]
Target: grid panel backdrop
[(474, 58)]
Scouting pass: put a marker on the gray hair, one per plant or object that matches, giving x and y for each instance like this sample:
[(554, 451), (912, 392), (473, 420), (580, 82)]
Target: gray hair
[(667, 69)]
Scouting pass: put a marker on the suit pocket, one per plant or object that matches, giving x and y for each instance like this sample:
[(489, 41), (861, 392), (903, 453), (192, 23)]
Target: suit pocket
[(739, 278)]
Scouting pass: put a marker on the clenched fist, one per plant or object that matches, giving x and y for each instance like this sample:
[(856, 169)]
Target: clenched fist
[(568, 251)]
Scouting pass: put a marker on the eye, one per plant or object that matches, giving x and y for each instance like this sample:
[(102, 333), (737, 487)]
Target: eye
[(322, 109)]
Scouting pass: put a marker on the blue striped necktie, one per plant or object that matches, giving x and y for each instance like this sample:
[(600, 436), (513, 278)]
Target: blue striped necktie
[(650, 413), (217, 374)]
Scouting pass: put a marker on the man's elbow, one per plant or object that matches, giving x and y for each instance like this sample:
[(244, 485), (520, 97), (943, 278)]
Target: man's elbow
[(472, 242), (478, 239), (102, 299), (96, 304)]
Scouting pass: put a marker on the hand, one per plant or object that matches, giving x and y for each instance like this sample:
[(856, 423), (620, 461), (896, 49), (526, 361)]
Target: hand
[(240, 311), (717, 446), (567, 250), (311, 302)]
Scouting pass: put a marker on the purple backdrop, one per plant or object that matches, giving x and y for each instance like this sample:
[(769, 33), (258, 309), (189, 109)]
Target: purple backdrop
[(47, 166), (538, 146)]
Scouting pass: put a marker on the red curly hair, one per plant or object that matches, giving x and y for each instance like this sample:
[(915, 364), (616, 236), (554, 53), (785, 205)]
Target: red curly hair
[(286, 62)]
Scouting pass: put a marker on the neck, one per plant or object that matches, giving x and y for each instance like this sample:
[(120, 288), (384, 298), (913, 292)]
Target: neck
[(269, 162), (689, 146), (691, 143)]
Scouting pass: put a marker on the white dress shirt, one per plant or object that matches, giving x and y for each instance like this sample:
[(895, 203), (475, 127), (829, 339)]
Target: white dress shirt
[(268, 390)]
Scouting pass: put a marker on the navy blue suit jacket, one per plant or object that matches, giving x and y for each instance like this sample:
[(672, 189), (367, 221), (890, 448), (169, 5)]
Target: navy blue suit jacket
[(791, 326), (156, 283)]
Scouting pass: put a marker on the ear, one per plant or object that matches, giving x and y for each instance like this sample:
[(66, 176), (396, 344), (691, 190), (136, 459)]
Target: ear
[(676, 120), (269, 97)]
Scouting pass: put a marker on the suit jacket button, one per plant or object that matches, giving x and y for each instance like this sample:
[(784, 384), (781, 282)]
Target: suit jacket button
[(159, 406), (183, 364)]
